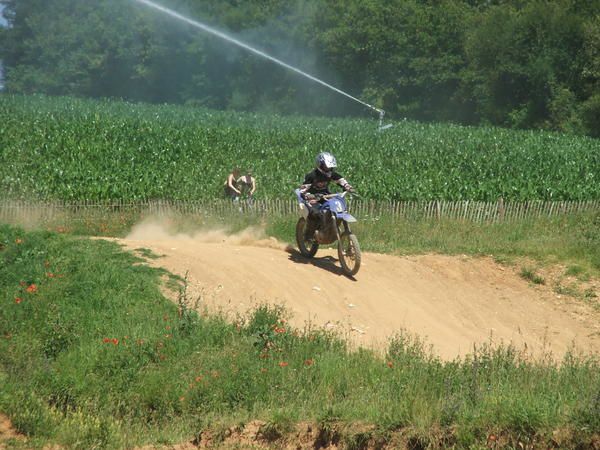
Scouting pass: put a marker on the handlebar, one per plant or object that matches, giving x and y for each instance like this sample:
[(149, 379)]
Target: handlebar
[(327, 196), (343, 194)]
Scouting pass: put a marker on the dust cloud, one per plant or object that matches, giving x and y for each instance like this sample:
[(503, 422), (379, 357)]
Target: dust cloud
[(163, 229)]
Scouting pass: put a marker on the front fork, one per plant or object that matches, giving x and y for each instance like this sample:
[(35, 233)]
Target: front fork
[(336, 224)]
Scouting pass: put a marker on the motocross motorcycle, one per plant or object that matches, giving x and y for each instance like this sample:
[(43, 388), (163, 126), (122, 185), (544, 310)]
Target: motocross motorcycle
[(334, 225)]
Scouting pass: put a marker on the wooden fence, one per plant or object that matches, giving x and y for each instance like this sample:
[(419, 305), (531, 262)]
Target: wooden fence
[(500, 211)]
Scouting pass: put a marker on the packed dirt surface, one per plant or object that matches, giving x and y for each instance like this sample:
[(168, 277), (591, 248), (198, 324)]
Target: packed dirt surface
[(453, 303), (7, 433)]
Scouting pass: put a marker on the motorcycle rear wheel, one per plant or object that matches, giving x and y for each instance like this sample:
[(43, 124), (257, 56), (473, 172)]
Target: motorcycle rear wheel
[(307, 248), (349, 253)]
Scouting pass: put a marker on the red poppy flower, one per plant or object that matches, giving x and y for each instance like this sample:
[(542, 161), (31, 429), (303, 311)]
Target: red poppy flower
[(115, 341), (283, 364), (390, 364), (106, 340), (18, 300), (18, 241), (309, 362), (32, 289)]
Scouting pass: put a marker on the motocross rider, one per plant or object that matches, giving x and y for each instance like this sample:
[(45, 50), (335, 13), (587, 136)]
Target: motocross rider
[(316, 185)]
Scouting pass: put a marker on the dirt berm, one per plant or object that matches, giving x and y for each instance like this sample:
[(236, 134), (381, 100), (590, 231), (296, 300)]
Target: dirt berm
[(452, 302)]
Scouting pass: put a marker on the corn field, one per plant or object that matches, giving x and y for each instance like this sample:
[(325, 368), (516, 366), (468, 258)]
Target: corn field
[(76, 150)]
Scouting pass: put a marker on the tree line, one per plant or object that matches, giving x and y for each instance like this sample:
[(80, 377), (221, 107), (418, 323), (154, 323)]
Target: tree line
[(511, 63)]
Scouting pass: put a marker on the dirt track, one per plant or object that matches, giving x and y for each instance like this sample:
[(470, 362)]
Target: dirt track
[(452, 302)]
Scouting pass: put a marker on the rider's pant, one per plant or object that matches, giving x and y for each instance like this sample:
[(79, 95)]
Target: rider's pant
[(312, 221)]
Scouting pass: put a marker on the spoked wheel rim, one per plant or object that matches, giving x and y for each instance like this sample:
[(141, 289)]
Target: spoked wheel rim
[(349, 253)]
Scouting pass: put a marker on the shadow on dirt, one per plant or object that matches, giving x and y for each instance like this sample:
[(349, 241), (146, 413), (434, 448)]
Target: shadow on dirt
[(328, 263)]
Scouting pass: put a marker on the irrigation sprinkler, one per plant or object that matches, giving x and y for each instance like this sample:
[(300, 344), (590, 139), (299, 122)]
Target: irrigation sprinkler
[(232, 40), (382, 127)]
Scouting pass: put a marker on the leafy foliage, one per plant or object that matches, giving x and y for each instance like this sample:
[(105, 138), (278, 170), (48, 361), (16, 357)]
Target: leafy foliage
[(509, 63)]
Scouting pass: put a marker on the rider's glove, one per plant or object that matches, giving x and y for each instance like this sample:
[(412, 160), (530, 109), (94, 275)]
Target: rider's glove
[(349, 188), (308, 197)]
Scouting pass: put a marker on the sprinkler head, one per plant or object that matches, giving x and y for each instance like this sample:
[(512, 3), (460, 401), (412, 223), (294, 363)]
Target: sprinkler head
[(383, 127)]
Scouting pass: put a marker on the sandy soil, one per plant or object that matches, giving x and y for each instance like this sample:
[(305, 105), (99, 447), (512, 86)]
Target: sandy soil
[(7, 433), (453, 303)]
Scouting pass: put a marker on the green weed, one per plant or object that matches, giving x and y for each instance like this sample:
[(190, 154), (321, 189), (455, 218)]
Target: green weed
[(529, 274)]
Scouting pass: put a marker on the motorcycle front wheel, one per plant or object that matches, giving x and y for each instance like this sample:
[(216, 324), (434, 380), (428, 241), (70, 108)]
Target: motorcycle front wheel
[(307, 248), (349, 253)]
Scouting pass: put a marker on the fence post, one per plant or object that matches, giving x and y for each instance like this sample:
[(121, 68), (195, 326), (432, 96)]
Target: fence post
[(501, 209)]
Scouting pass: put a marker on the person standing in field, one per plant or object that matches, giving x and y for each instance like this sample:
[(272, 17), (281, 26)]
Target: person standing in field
[(247, 185), (231, 185)]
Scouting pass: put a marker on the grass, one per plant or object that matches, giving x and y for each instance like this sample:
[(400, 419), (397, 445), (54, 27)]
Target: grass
[(93, 356), (147, 253), (529, 274), (575, 271)]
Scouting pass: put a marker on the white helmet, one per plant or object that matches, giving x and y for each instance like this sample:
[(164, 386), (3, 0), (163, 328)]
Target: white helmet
[(325, 163)]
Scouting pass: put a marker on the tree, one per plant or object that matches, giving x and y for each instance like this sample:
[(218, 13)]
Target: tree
[(513, 63), (525, 63)]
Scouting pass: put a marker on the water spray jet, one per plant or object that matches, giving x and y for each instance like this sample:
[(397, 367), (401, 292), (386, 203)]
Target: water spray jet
[(251, 49)]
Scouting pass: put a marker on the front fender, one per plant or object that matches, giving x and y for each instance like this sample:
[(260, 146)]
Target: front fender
[(347, 217)]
